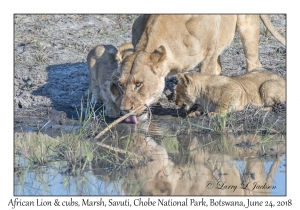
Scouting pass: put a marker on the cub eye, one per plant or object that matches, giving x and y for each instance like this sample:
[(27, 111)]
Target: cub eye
[(120, 87), (138, 84)]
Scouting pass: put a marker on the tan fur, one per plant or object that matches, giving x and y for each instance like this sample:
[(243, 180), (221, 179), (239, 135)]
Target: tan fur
[(123, 51), (168, 44), (147, 176), (104, 76), (259, 87), (204, 165)]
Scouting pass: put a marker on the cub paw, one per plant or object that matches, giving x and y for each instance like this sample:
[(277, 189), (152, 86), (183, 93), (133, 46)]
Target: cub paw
[(213, 114), (194, 114), (267, 108)]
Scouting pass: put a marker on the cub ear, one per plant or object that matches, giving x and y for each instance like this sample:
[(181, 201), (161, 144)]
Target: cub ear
[(115, 93), (101, 54), (184, 79), (158, 60), (124, 50)]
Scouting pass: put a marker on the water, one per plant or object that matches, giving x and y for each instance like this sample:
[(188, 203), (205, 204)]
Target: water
[(162, 162)]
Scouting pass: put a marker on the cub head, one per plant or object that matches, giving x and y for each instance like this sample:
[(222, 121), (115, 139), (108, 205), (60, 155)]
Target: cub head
[(123, 51), (185, 96), (103, 63), (113, 96), (143, 78)]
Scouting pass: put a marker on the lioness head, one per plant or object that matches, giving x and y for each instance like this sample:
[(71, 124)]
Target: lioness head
[(142, 80), (185, 96)]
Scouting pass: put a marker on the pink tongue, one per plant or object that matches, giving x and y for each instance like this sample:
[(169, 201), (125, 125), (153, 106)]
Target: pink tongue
[(131, 119)]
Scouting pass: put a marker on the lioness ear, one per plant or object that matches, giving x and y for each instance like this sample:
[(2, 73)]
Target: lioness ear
[(115, 93), (124, 50), (184, 79), (158, 58)]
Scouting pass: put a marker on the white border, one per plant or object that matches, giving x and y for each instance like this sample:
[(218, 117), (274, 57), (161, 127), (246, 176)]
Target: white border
[(153, 6)]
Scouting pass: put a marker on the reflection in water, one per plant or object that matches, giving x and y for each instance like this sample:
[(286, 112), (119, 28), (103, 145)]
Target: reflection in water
[(209, 170), (166, 164)]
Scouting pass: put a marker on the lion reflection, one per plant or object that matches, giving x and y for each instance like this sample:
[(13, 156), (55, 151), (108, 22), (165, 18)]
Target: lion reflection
[(208, 170)]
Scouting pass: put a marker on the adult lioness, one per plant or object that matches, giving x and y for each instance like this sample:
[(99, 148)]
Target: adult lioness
[(104, 75), (168, 44), (221, 93)]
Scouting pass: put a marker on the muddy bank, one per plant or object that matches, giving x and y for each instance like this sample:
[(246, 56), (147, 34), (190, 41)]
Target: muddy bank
[(51, 74)]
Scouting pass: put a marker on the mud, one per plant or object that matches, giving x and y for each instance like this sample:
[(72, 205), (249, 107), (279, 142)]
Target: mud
[(51, 74)]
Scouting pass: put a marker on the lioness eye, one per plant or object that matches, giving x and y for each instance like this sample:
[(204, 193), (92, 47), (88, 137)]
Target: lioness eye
[(138, 84)]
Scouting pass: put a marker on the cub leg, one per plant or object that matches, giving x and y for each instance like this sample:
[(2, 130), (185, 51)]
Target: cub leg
[(93, 87), (221, 108), (272, 92), (229, 101), (248, 28), (93, 69)]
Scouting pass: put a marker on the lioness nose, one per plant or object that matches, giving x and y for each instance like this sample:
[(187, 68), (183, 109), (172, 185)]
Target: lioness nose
[(126, 105), (126, 109)]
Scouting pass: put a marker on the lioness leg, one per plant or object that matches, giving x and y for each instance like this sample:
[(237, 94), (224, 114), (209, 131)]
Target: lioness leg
[(138, 28), (248, 28), (211, 63), (272, 92), (219, 66)]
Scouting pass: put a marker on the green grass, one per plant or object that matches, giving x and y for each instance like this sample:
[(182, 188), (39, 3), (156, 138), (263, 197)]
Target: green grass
[(76, 153)]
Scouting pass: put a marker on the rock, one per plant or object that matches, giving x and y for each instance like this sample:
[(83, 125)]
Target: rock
[(20, 49), (21, 103)]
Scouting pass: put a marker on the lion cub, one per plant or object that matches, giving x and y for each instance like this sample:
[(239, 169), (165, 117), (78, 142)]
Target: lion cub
[(221, 94), (104, 75)]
